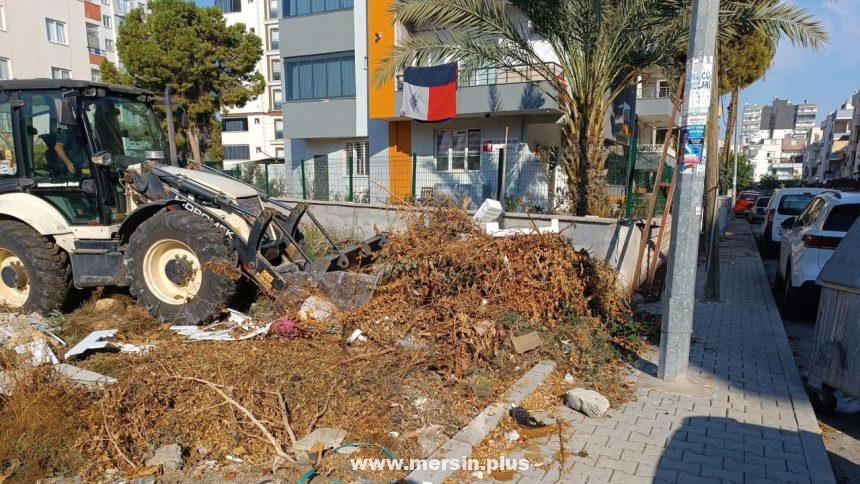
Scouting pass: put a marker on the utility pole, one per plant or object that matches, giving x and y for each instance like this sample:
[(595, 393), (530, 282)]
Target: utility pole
[(679, 297)]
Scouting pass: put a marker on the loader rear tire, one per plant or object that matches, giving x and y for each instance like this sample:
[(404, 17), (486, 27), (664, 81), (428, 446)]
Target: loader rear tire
[(181, 268), (35, 272)]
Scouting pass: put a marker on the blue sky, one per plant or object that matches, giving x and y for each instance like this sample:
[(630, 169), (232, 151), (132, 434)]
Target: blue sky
[(826, 77)]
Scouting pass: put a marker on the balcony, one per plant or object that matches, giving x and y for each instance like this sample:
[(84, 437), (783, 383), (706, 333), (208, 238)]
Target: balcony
[(97, 56), (498, 89)]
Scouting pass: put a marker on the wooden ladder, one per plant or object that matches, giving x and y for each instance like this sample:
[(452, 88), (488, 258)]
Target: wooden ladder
[(668, 189)]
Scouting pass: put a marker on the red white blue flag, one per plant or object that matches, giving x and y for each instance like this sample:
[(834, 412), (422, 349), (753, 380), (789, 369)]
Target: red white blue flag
[(430, 93)]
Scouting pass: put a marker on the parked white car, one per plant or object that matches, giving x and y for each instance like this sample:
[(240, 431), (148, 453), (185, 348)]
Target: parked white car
[(784, 203), (808, 242)]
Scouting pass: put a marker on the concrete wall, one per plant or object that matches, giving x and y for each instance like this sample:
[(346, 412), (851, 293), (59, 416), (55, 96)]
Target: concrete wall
[(616, 242), (318, 34)]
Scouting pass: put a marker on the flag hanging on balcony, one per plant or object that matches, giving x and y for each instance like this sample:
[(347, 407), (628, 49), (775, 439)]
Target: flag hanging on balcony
[(430, 93)]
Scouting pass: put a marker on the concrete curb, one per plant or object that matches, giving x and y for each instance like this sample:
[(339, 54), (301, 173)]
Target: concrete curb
[(460, 446), (817, 461)]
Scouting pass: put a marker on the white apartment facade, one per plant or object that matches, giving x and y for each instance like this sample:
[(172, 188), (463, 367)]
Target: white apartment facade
[(60, 39), (255, 131), (771, 135)]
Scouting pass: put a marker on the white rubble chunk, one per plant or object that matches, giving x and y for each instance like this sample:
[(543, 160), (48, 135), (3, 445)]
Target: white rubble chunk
[(589, 402), (96, 340), (489, 211), (315, 307), (84, 377), (169, 457), (328, 437)]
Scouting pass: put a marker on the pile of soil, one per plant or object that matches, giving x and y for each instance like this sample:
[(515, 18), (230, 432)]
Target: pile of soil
[(438, 350)]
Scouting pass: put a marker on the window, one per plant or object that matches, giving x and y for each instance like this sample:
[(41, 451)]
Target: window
[(93, 41), (106, 22), (8, 165), (58, 73), (95, 75), (294, 8), (279, 129), (232, 125), (237, 152), (273, 9), (810, 213), (109, 45), (56, 31), (320, 77), (356, 151), (274, 39), (793, 204), (2, 17), (277, 99), (458, 149), (5, 71), (229, 6), (275, 68), (842, 217)]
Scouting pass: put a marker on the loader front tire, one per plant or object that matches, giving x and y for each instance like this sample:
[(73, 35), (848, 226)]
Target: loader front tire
[(181, 268), (35, 274)]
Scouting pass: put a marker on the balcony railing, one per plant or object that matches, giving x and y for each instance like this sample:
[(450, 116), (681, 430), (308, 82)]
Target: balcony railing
[(97, 51), (499, 75), (655, 148), (657, 92)]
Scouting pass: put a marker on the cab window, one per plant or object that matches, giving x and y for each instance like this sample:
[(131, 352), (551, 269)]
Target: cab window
[(8, 166), (57, 159)]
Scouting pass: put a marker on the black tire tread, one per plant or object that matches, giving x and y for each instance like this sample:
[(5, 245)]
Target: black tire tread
[(52, 279), (202, 234)]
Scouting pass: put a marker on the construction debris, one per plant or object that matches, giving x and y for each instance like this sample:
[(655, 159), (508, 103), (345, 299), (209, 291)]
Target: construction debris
[(238, 326), (86, 378), (526, 342), (493, 229), (97, 340), (168, 457), (328, 438), (589, 402), (489, 211), (316, 307), (39, 351)]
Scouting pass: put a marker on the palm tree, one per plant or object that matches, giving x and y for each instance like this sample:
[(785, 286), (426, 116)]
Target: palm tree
[(601, 46)]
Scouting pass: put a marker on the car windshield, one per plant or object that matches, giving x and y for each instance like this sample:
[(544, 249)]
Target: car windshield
[(762, 202), (842, 217), (793, 204), (124, 127)]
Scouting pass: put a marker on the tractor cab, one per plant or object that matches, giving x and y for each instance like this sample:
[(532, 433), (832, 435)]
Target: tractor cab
[(69, 142)]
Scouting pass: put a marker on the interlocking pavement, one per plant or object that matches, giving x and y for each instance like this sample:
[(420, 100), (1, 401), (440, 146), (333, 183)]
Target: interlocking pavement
[(742, 416)]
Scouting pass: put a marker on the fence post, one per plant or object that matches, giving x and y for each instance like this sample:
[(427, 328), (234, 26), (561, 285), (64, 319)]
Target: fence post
[(500, 184), (304, 182), (634, 151), (350, 170), (414, 176), (266, 178)]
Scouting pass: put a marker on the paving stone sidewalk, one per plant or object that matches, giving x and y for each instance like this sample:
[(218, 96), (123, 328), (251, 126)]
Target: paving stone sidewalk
[(742, 416)]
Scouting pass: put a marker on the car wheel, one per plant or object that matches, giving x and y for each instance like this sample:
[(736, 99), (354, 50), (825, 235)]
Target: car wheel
[(790, 294)]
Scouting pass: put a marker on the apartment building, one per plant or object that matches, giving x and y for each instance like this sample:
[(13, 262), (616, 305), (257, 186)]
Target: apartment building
[(834, 155), (255, 131), (771, 135), (60, 39), (853, 150), (336, 119)]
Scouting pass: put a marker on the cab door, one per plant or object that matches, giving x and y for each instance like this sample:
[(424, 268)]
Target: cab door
[(57, 160)]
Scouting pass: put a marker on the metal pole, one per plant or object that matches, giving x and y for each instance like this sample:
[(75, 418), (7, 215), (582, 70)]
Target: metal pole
[(414, 176), (266, 178), (171, 131), (304, 182), (738, 124), (631, 169), (677, 324), (350, 170)]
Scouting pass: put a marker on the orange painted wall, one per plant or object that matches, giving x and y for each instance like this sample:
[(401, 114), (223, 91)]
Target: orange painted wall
[(93, 11), (97, 59), (400, 158), (380, 40)]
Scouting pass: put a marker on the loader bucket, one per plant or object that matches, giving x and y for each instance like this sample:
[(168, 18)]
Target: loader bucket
[(348, 290)]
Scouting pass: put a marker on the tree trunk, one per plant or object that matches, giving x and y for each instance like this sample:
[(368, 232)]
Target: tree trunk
[(711, 233), (731, 125), (712, 168), (192, 134)]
